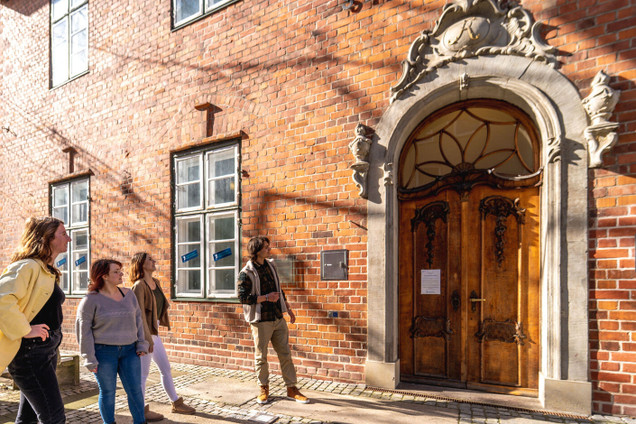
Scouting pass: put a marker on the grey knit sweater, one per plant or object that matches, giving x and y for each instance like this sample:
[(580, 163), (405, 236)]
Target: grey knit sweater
[(103, 320)]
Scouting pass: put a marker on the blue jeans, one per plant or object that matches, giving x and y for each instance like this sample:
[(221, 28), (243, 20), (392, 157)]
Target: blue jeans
[(33, 371), (122, 360)]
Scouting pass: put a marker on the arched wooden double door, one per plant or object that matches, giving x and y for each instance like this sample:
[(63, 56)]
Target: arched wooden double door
[(469, 250)]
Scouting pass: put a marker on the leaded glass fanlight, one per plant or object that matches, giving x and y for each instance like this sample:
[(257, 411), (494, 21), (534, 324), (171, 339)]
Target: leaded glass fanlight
[(469, 143)]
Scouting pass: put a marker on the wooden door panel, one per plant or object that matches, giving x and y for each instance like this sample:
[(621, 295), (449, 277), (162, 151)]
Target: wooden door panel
[(498, 349), (433, 336), (486, 248)]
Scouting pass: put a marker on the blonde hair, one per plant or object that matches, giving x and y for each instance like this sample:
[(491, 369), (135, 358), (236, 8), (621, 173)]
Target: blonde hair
[(35, 242)]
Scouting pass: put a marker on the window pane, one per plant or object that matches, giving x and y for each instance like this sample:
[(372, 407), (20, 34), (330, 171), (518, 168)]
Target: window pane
[(223, 228), (60, 196), (80, 191), (189, 183), (58, 9), (189, 196), (185, 9), (222, 191), (223, 279), (211, 3), (61, 263), (192, 255), (188, 170), (80, 240), (189, 282), (60, 203), (59, 53), (188, 230), (79, 198), (75, 3), (228, 260), (189, 258), (221, 176), (80, 281), (79, 21)]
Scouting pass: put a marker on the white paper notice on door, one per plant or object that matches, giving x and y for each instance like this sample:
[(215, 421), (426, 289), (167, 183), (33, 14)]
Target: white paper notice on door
[(431, 281)]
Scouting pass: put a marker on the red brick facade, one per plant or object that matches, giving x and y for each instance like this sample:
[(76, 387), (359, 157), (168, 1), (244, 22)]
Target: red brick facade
[(293, 78)]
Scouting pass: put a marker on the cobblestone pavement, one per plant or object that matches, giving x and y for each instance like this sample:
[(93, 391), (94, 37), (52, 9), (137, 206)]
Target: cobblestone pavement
[(81, 403)]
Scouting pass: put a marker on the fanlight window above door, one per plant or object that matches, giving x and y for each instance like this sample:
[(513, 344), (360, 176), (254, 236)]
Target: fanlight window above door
[(469, 143)]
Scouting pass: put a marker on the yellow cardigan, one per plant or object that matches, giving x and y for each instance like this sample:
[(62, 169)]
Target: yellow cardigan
[(25, 286)]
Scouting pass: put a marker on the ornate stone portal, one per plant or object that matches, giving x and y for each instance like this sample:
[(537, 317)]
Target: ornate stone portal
[(469, 28), (487, 49)]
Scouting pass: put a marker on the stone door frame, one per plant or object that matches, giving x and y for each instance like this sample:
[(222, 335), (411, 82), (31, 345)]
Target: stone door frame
[(555, 106)]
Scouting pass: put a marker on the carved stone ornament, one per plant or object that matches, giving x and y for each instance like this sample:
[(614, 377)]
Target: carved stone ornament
[(599, 105), (470, 28), (360, 147)]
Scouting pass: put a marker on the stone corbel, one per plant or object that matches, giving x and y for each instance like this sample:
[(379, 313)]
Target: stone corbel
[(360, 147), (601, 134)]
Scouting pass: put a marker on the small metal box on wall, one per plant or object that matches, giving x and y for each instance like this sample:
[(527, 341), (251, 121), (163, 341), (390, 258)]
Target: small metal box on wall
[(333, 264)]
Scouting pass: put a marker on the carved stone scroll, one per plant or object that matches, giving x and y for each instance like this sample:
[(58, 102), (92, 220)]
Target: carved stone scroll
[(470, 28), (599, 105), (508, 331), (360, 147)]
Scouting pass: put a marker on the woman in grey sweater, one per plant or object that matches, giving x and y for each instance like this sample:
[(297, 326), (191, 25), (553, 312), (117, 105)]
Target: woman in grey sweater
[(110, 333)]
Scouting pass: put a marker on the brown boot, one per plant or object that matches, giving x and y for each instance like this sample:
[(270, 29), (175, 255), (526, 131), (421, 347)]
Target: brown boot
[(294, 394), (178, 407), (262, 397), (152, 416)]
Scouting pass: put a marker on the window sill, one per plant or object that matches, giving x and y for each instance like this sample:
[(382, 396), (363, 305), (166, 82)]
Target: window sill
[(203, 15), (232, 300), (70, 79)]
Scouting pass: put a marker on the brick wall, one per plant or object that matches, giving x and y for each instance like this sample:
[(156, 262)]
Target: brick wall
[(295, 77)]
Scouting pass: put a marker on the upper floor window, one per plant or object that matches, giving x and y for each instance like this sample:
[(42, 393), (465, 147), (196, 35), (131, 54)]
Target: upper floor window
[(69, 39), (206, 215), (187, 10), (70, 203)]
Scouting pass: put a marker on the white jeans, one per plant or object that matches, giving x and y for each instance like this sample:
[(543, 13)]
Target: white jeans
[(161, 359)]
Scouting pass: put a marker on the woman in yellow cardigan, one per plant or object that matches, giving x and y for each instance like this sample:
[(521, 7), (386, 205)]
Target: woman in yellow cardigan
[(154, 312), (31, 319)]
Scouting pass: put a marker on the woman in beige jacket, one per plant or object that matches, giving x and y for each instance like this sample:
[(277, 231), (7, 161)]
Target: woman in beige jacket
[(154, 311), (31, 319)]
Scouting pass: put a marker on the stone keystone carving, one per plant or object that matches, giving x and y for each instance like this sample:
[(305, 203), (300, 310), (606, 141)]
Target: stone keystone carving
[(599, 105), (360, 147), (470, 28)]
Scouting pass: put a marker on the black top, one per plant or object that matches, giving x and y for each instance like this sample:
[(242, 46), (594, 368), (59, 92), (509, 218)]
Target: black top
[(160, 299), (51, 312), (270, 311)]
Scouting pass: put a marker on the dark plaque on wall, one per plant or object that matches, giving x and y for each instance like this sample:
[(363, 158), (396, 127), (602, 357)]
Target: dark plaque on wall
[(333, 265)]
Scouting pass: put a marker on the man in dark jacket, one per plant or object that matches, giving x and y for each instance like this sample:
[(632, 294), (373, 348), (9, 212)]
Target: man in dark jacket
[(264, 303)]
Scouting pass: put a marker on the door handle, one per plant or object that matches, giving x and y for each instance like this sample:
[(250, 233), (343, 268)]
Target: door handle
[(474, 298)]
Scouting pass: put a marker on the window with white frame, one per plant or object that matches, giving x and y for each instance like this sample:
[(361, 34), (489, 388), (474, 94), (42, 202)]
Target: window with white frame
[(69, 39), (185, 11), (206, 215), (70, 204)]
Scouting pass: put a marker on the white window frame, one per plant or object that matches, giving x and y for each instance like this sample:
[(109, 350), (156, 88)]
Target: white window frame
[(205, 8), (70, 8), (66, 262), (205, 212)]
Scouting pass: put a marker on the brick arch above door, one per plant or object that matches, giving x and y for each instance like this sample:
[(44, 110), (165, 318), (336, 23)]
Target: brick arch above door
[(555, 106)]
